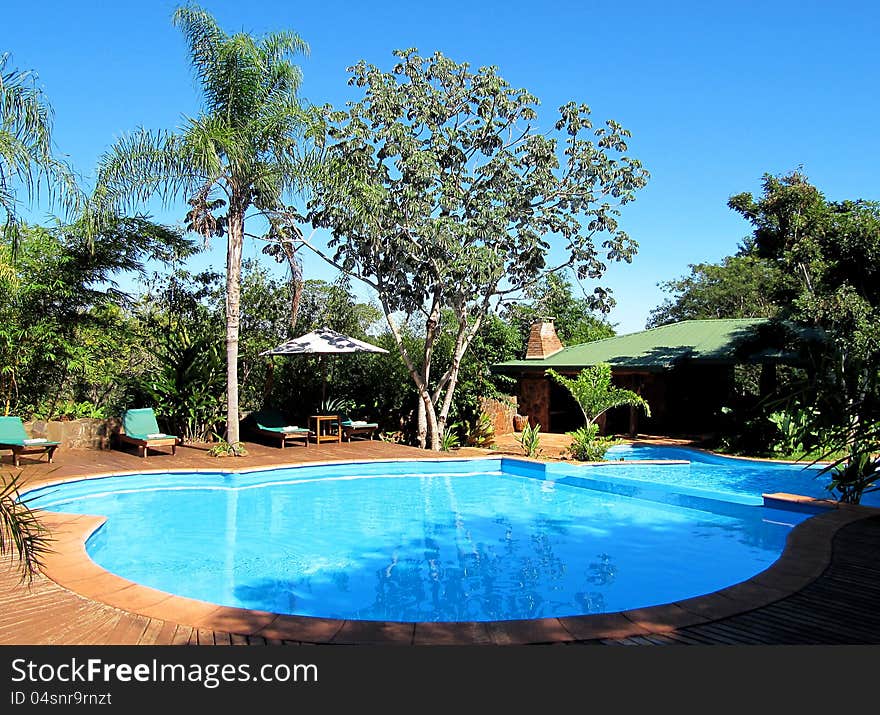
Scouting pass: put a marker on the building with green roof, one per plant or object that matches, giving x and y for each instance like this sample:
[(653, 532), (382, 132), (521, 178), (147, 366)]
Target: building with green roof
[(684, 370)]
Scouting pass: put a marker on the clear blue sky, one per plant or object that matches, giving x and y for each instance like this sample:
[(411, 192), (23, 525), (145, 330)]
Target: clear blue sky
[(714, 94)]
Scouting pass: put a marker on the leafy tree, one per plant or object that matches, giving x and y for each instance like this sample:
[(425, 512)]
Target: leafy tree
[(594, 393), (832, 251), (61, 315), (241, 153), (447, 195), (27, 160), (575, 319), (741, 286)]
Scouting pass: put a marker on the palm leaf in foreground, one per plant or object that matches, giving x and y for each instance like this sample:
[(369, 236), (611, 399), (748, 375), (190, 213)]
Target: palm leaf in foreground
[(22, 535)]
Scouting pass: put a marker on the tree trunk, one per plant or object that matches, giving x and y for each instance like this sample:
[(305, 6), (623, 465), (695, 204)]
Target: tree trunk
[(421, 423), (234, 242)]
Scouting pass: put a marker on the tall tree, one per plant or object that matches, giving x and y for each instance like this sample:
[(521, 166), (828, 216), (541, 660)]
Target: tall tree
[(27, 158), (452, 197), (741, 286), (242, 153), (576, 319), (831, 249)]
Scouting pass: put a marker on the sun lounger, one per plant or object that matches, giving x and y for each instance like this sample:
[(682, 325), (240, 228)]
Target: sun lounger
[(139, 427), (351, 428), (271, 423), (14, 437)]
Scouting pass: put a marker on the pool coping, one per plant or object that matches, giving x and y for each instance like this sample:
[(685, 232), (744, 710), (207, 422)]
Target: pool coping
[(806, 554)]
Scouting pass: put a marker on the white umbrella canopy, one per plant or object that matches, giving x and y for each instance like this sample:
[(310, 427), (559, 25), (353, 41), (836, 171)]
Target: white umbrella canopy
[(323, 342)]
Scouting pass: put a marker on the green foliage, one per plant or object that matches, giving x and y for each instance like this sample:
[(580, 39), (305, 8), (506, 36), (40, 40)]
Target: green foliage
[(594, 393), (530, 440), (222, 448), (576, 319), (22, 536), (450, 439), (186, 387), (480, 432), (437, 206), (831, 251), (741, 286), (587, 446), (71, 410), (854, 474), (27, 158), (65, 334), (797, 430)]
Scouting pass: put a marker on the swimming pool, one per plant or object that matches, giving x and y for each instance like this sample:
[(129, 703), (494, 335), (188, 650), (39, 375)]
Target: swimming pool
[(727, 474), (445, 540)]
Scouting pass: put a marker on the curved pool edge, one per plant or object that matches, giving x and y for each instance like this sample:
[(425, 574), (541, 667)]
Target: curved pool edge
[(806, 555)]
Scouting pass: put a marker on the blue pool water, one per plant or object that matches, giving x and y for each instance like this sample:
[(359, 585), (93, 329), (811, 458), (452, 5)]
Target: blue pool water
[(484, 539), (727, 474)]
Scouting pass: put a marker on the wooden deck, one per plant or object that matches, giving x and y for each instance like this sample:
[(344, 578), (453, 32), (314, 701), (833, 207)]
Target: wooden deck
[(835, 606)]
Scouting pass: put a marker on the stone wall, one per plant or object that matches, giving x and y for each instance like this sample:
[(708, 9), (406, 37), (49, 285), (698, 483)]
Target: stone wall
[(501, 412), (534, 400), (85, 433)]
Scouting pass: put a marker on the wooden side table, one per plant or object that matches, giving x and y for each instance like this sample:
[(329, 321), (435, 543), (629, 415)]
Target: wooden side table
[(325, 435)]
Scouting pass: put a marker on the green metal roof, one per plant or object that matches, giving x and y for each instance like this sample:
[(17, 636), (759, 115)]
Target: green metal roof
[(707, 341)]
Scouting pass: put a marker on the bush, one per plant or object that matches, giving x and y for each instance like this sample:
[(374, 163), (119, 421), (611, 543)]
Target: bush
[(530, 440), (587, 446), (480, 433)]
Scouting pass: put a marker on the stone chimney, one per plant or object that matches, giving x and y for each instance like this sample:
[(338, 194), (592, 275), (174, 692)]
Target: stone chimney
[(543, 341)]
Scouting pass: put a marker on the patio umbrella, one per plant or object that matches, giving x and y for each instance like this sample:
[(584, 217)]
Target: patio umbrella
[(323, 342)]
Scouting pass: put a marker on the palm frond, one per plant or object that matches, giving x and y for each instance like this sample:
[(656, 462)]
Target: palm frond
[(22, 536), (142, 165), (27, 160)]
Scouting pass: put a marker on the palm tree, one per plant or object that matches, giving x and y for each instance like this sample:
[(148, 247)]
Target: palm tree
[(26, 157), (594, 393), (242, 152)]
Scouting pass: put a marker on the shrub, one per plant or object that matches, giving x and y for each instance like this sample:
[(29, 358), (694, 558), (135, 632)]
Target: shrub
[(481, 433), (530, 440), (587, 446), (450, 439)]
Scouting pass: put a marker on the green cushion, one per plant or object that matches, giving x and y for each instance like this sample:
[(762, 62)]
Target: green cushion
[(12, 432), (141, 423), (282, 430), (268, 419)]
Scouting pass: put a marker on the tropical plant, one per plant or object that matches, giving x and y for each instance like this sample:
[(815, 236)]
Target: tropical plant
[(336, 406), (530, 440), (65, 332), (479, 433), (26, 156), (446, 195), (222, 448), (796, 428), (854, 475), (450, 439), (22, 535), (186, 387), (242, 152), (594, 393), (587, 446)]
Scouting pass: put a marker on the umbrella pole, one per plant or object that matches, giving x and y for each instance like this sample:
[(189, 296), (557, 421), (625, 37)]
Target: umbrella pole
[(323, 380)]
